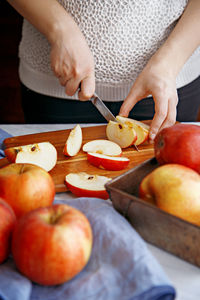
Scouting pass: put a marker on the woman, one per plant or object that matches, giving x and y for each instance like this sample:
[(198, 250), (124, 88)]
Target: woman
[(126, 51)]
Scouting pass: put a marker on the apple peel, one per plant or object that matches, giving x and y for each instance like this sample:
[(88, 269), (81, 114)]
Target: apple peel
[(111, 163)]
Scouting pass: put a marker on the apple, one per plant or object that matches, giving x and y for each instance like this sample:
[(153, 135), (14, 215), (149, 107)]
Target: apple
[(112, 163), (86, 185), (179, 144), (7, 223), (175, 189), (141, 129), (74, 142), (26, 187), (52, 245), (122, 134), (127, 132), (43, 154), (103, 147)]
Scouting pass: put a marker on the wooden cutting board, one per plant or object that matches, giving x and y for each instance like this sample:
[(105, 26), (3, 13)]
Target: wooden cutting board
[(79, 162)]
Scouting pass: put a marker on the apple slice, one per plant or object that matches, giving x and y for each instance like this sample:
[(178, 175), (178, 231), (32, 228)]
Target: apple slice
[(103, 147), (86, 185), (43, 154), (142, 129), (122, 134), (74, 142), (112, 163)]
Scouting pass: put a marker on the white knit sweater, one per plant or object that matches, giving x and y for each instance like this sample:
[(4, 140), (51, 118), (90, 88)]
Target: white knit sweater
[(122, 34)]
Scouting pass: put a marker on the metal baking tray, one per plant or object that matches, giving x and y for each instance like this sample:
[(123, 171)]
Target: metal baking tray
[(157, 227)]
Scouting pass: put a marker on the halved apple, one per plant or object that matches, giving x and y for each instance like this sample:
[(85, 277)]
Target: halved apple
[(112, 163), (86, 185), (122, 134), (74, 142), (103, 147), (142, 129), (43, 154)]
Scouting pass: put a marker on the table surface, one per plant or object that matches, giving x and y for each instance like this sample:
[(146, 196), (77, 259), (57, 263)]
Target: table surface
[(184, 276)]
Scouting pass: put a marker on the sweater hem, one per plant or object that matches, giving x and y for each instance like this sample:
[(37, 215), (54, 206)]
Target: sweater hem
[(49, 85)]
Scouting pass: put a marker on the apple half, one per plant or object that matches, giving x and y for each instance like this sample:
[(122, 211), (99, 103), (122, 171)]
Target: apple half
[(112, 163), (74, 142), (103, 147), (142, 129), (86, 185), (43, 154), (122, 134)]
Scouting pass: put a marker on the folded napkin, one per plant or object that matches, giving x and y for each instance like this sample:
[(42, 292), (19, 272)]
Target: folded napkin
[(3, 135), (121, 267)]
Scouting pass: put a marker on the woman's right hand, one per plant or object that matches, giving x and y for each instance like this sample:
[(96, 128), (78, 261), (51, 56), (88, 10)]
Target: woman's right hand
[(72, 61)]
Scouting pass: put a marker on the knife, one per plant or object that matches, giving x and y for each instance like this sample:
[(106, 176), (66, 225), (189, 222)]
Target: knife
[(102, 108)]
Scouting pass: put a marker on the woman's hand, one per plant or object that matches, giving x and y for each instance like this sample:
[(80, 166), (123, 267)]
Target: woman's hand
[(159, 76), (155, 80), (71, 58), (73, 63)]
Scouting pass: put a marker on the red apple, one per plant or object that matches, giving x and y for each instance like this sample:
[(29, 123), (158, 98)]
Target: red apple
[(7, 223), (179, 144), (87, 185), (26, 187), (74, 142), (52, 245), (42, 154), (103, 147), (112, 163), (121, 134)]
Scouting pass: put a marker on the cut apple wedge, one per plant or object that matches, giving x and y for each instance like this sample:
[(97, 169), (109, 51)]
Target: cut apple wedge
[(142, 129), (122, 134), (112, 163), (103, 147), (74, 142), (86, 185), (43, 154)]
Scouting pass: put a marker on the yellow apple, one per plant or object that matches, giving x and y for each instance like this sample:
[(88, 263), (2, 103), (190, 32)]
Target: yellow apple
[(175, 189)]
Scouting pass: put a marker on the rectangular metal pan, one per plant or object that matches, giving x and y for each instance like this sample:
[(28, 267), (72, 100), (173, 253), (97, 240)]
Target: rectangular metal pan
[(157, 227)]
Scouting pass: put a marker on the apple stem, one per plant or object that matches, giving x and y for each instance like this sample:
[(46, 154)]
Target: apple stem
[(22, 168)]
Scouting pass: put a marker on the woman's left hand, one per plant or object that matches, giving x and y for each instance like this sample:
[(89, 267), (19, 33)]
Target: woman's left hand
[(155, 80)]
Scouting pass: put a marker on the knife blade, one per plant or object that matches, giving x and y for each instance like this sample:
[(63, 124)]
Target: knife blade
[(102, 108)]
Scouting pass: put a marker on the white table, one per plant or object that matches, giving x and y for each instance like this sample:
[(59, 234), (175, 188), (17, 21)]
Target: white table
[(184, 276)]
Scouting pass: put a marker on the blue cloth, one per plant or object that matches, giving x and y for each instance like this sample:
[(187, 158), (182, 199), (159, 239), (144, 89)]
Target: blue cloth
[(120, 267), (3, 136)]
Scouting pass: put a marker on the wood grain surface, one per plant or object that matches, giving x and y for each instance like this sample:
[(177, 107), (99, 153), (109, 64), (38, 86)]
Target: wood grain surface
[(79, 162)]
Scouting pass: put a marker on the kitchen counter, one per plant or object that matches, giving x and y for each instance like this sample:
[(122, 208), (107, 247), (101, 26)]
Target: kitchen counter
[(184, 276)]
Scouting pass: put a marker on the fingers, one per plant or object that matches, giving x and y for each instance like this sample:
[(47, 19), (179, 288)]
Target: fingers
[(136, 94), (171, 114), (87, 88), (71, 86), (165, 114)]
